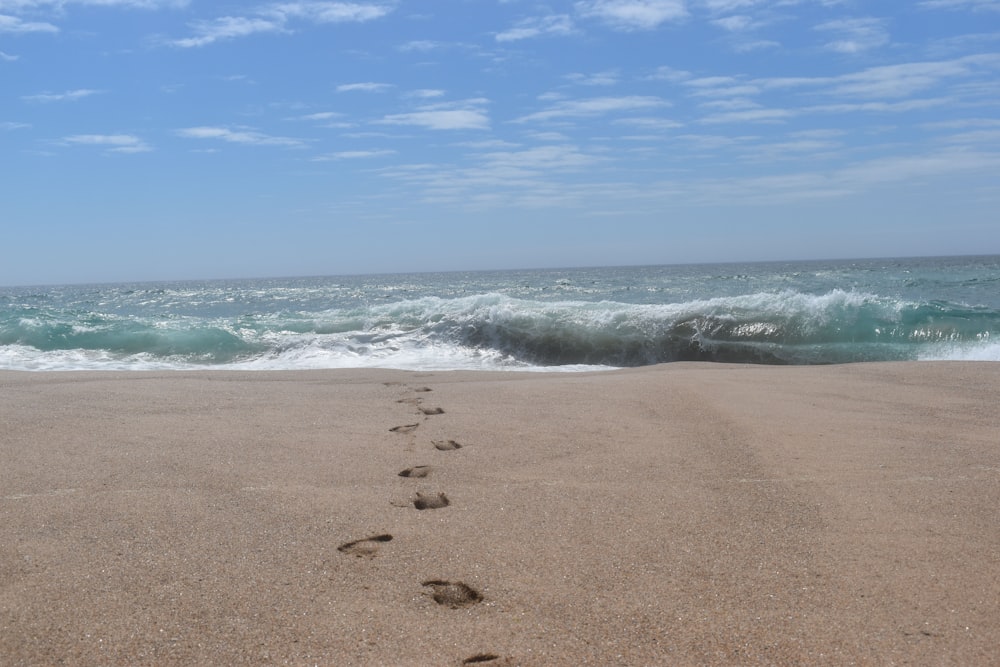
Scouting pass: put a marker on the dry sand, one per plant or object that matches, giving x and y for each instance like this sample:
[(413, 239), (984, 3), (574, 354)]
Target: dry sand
[(685, 514)]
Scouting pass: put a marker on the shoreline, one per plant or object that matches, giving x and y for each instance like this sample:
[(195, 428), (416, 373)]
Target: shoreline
[(687, 513)]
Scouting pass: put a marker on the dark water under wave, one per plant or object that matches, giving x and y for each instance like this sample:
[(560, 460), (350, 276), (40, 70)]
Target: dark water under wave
[(777, 313)]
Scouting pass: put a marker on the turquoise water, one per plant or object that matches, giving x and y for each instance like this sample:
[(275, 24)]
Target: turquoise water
[(567, 319)]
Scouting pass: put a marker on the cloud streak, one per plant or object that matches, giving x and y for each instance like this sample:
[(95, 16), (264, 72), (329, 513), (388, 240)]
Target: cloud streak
[(596, 106), (68, 96), (239, 136), (278, 18), (115, 143)]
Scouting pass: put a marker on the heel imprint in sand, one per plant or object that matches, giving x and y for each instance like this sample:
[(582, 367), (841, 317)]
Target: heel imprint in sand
[(481, 657), (405, 428), (453, 594), (432, 411), (446, 445), (416, 471), (432, 501), (366, 548)]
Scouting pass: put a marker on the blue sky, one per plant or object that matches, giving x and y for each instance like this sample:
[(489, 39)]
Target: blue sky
[(171, 139)]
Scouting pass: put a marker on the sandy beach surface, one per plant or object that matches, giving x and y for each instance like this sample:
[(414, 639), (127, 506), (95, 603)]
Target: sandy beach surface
[(684, 514)]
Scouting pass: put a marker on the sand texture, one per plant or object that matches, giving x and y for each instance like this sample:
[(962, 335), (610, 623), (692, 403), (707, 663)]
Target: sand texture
[(685, 514)]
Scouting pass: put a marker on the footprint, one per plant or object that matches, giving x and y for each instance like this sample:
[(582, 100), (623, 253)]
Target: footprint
[(410, 401), (480, 657), (416, 471), (432, 411), (405, 428), (430, 502), (453, 594), (423, 389), (446, 445), (366, 548)]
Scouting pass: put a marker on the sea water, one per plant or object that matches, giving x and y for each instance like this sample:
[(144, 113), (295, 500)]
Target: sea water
[(815, 312)]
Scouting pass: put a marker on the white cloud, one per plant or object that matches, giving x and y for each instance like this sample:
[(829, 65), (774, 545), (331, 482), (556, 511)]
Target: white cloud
[(855, 35), (58, 5), (276, 18), (649, 123), (8, 58), (329, 12), (724, 6), (320, 115), (666, 73), (633, 14), (750, 116), (899, 80), (117, 143), (10, 125), (442, 119), (226, 27), (593, 107), (559, 24), (16, 25), (425, 93), (366, 87), (974, 5), (240, 136), (68, 96), (541, 158), (353, 155), (421, 45), (736, 23), (608, 78)]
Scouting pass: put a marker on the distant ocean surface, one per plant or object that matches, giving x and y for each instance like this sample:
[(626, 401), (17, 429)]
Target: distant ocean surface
[(817, 312)]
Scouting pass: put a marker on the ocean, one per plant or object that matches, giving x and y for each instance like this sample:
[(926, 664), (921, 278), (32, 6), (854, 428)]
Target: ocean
[(814, 312)]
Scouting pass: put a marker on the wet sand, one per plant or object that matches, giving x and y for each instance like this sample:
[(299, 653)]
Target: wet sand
[(685, 514)]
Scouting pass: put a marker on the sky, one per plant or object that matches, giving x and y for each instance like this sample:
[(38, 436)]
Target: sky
[(188, 139)]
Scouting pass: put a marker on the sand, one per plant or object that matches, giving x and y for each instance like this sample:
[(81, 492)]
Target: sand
[(684, 514)]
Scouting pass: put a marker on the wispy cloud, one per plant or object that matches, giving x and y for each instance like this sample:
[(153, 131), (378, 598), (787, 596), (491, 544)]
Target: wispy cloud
[(607, 78), (456, 115), (68, 96), (319, 115), (8, 58), (425, 93), (226, 27), (277, 18), (353, 155), (15, 25), (973, 5), (421, 45), (633, 14), (10, 125), (750, 116), (855, 35), (239, 136), (556, 24), (365, 87), (593, 107), (649, 123), (441, 119), (115, 143), (40, 5)]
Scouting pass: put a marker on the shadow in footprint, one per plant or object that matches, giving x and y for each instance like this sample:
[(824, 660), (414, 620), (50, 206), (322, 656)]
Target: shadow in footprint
[(453, 594), (432, 501), (481, 657), (405, 428), (366, 548), (423, 389), (432, 411), (416, 471), (446, 445)]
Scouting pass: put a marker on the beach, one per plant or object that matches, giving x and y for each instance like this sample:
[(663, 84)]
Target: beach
[(677, 514)]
